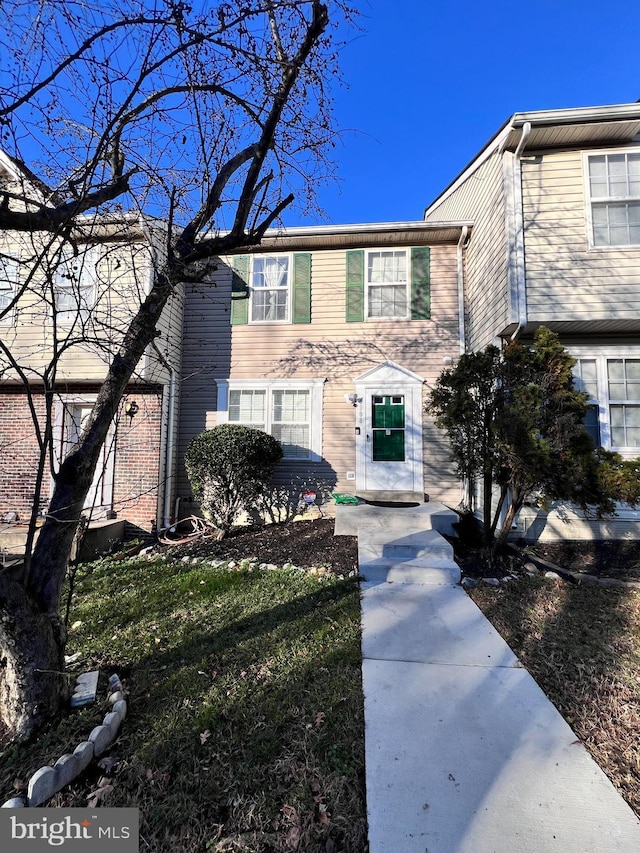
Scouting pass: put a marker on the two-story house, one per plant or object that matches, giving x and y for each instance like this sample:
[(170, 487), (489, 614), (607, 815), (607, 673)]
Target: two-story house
[(554, 198), (328, 337), (64, 307)]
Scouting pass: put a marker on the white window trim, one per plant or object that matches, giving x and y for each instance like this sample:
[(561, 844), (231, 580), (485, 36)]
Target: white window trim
[(80, 312), (586, 155), (9, 318), (288, 255), (314, 386), (600, 356), (377, 251)]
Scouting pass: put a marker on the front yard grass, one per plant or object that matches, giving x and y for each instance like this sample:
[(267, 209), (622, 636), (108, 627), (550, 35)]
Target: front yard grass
[(245, 724)]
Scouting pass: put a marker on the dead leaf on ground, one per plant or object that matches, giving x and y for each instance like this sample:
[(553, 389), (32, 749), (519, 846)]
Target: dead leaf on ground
[(290, 814), (293, 837), (204, 736), (104, 786)]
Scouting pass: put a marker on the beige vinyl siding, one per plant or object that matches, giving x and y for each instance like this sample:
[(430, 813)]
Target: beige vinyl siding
[(123, 282), (481, 199), (567, 280), (328, 348)]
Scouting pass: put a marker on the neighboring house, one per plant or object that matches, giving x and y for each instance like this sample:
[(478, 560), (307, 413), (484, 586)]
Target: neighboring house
[(73, 307), (328, 338), (554, 198)]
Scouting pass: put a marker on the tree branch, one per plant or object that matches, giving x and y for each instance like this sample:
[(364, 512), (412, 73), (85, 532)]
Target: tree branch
[(73, 57), (289, 76)]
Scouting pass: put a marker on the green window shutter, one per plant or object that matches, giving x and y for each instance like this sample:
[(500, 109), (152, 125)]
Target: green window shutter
[(302, 287), (355, 286), (240, 266), (420, 283)]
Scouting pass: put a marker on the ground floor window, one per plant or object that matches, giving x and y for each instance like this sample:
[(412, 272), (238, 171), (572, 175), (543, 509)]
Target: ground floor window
[(290, 411), (611, 381)]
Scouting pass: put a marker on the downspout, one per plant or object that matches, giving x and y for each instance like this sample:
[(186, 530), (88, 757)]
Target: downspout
[(460, 273), (168, 463), (516, 237), (170, 436)]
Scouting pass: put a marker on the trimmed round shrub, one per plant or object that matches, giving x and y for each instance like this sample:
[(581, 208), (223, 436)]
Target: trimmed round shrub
[(228, 466)]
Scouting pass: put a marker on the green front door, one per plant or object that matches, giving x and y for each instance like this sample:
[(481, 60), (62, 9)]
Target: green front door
[(388, 428)]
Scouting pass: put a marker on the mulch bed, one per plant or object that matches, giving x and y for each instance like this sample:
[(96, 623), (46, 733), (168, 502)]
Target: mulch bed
[(302, 543), (613, 559), (602, 559)]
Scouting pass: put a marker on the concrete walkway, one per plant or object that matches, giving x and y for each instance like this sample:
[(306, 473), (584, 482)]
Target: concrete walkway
[(464, 752)]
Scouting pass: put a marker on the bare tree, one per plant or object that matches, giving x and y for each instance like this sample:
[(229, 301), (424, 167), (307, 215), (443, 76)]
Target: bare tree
[(186, 127)]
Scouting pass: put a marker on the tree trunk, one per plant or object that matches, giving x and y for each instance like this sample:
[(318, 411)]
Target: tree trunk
[(515, 506), (487, 498), (32, 685)]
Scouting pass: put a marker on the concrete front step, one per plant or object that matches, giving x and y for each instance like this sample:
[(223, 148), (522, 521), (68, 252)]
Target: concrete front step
[(100, 537), (403, 544), (420, 557), (418, 571), (429, 516)]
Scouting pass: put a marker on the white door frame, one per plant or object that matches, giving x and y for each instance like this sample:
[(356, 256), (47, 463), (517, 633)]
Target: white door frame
[(389, 378), (104, 475)]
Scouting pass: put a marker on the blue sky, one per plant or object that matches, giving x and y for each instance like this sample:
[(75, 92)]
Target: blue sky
[(429, 83)]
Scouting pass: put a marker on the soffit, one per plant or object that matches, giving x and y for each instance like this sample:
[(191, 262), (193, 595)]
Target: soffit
[(572, 134), (427, 234), (590, 328)]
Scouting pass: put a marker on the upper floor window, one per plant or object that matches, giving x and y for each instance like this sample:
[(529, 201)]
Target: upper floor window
[(75, 285), (8, 282), (270, 288), (387, 284), (614, 190)]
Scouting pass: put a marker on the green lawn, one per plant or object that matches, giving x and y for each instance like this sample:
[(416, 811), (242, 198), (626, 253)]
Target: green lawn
[(245, 725)]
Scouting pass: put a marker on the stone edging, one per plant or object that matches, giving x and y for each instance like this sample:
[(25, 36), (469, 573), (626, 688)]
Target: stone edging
[(47, 781)]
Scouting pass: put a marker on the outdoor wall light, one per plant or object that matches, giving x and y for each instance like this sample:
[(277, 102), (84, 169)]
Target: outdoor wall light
[(352, 398), (131, 409)]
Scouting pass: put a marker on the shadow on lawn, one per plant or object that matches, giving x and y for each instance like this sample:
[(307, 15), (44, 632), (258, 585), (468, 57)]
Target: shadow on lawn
[(253, 727)]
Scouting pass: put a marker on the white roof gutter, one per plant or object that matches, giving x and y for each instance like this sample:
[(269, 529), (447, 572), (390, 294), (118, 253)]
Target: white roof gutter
[(576, 115)]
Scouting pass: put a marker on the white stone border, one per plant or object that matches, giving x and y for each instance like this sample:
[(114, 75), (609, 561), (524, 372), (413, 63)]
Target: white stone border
[(47, 781)]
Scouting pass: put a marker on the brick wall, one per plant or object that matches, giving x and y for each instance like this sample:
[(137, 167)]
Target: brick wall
[(137, 446), (137, 461), (18, 453)]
